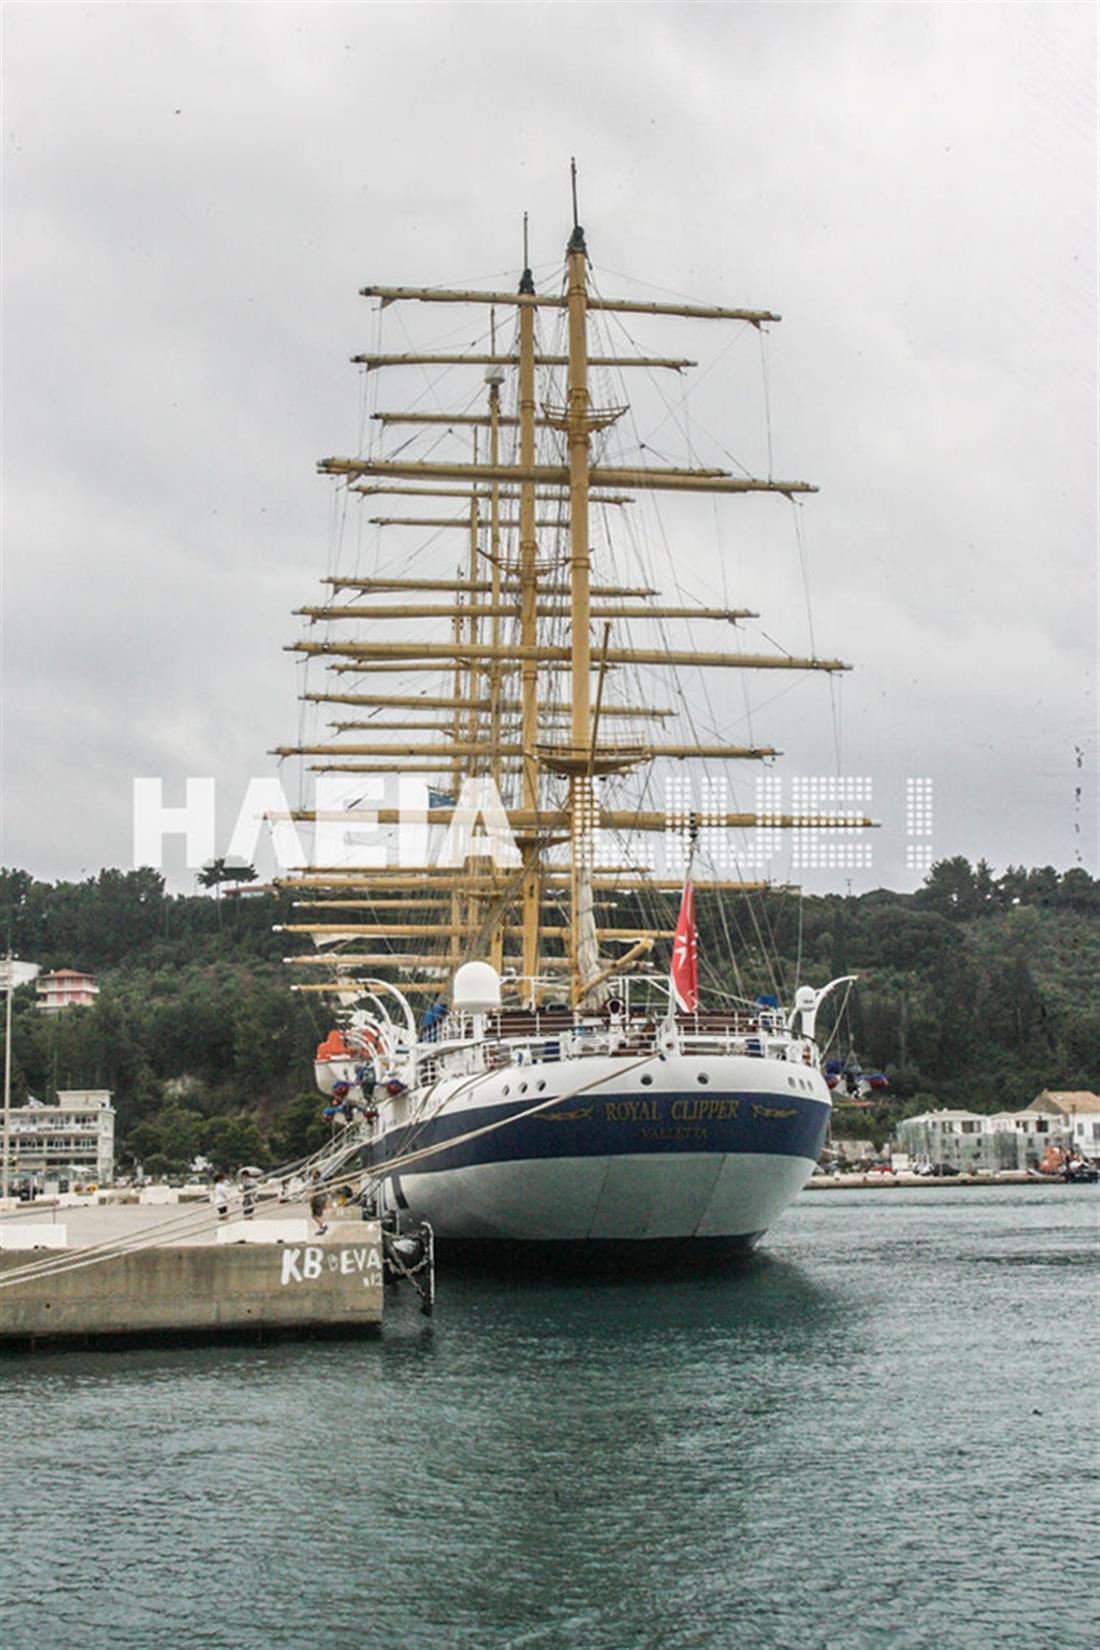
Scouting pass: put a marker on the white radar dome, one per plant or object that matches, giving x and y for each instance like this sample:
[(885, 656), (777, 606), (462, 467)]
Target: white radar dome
[(475, 988)]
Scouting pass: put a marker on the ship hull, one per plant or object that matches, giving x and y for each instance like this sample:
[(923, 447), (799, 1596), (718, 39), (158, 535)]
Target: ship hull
[(705, 1158)]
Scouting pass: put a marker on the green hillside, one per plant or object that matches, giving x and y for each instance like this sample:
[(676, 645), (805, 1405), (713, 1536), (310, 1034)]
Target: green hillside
[(975, 991)]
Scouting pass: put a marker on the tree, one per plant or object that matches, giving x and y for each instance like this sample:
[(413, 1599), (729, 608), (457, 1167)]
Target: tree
[(217, 871), (1078, 891), (1041, 887), (232, 1142), (949, 888), (1016, 1013), (984, 885), (300, 1130), (1079, 1050), (1011, 886)]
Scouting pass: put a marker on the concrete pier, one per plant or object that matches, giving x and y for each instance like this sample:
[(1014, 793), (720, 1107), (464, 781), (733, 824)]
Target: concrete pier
[(198, 1285), (876, 1180)]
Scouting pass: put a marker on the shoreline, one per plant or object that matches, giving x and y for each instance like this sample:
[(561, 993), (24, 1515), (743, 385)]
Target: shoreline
[(876, 1181)]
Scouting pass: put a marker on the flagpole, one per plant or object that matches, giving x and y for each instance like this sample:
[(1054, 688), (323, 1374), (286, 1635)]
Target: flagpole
[(685, 949)]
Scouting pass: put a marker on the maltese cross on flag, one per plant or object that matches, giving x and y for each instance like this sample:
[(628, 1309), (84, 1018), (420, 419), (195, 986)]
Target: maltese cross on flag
[(685, 974)]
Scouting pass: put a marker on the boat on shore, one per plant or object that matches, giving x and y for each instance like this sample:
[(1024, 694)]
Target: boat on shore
[(571, 1088), (1068, 1166)]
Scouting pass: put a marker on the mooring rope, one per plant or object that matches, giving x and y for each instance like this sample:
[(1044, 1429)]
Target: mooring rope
[(196, 1221)]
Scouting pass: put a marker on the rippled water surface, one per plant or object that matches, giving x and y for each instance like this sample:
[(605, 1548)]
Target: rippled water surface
[(882, 1430)]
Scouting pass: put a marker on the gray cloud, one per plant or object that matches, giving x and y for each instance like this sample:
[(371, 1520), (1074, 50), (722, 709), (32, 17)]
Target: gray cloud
[(195, 194)]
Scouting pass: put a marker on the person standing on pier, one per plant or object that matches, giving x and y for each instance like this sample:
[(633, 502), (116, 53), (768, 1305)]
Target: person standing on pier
[(223, 1191), (318, 1199), (249, 1183)]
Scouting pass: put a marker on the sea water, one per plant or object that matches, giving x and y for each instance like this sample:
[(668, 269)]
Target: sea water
[(882, 1430)]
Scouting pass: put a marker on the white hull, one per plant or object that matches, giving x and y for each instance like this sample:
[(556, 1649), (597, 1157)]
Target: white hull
[(610, 1199), (678, 1160)]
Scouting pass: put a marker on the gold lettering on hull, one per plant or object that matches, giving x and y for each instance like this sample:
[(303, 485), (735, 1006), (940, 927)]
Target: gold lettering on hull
[(703, 1111), (697, 1109), (631, 1111), (682, 1131)]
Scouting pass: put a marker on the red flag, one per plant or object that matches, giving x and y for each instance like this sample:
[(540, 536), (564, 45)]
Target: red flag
[(685, 973)]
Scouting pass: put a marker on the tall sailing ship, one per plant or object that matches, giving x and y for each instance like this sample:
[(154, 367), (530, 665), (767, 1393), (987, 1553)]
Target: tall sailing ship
[(512, 1062)]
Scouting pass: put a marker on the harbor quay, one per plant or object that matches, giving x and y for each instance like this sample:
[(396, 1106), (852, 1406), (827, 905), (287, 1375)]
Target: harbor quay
[(877, 1179), (132, 1272)]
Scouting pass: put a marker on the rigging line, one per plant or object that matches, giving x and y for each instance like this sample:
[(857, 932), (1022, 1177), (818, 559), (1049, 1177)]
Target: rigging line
[(193, 1222), (651, 286), (674, 408), (765, 374), (690, 717), (803, 561), (839, 1018), (431, 380), (365, 399), (731, 950), (717, 524), (704, 686), (732, 997), (798, 955), (426, 1116), (835, 705), (767, 946), (177, 1228), (659, 519), (405, 1159), (464, 283), (434, 378)]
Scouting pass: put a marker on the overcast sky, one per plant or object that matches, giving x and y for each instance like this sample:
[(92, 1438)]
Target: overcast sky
[(194, 195)]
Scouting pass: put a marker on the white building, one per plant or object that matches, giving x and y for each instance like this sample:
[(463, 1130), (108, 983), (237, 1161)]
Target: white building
[(969, 1141), (1076, 1112), (72, 1143)]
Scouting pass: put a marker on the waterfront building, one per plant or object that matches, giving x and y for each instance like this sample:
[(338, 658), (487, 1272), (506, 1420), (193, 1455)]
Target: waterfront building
[(1076, 1112), (62, 1146), (972, 1141), (855, 1151), (65, 988)]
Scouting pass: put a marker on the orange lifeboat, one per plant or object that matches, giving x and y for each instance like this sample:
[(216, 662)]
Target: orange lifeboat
[(334, 1047)]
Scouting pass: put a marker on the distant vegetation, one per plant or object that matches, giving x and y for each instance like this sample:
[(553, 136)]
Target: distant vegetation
[(975, 991)]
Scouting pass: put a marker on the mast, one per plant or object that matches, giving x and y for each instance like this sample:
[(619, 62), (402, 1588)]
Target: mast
[(492, 628), (584, 942), (495, 377), (528, 619)]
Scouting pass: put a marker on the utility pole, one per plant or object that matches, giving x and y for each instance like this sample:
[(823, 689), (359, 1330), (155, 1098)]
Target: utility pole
[(9, 986)]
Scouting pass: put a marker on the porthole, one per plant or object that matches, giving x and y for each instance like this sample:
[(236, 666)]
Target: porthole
[(702, 1078), (646, 1078), (793, 1081), (540, 1087), (523, 1088), (506, 1089)]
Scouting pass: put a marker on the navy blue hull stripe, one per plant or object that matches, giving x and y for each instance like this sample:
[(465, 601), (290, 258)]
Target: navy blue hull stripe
[(594, 1126)]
